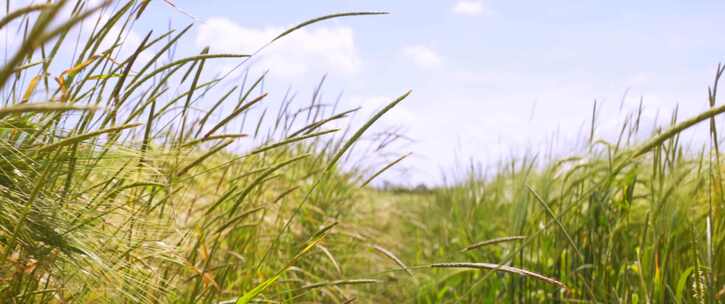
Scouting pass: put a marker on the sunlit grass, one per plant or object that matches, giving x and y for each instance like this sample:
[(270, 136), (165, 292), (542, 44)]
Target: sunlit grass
[(123, 181)]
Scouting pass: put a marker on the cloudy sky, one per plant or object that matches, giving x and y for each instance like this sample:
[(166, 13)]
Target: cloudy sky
[(490, 78)]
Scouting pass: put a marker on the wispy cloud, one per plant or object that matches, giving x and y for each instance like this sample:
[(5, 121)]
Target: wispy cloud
[(422, 56), (470, 8)]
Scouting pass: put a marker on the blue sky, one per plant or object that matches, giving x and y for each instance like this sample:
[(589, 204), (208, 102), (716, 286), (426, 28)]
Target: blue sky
[(490, 78)]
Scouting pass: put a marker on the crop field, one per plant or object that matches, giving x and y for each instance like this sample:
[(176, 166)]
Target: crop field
[(129, 176)]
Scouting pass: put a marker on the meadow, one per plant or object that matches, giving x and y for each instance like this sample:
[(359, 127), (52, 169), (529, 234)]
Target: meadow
[(121, 181)]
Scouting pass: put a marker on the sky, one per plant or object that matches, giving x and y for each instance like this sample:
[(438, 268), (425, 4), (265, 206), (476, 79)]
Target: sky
[(490, 79)]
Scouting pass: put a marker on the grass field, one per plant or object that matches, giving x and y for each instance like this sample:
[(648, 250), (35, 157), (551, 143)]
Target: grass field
[(121, 181)]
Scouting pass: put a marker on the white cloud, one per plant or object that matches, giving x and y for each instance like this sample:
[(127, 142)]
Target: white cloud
[(469, 8), (422, 56), (327, 49)]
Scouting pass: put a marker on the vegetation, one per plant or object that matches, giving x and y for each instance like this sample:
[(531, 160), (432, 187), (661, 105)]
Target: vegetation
[(116, 188)]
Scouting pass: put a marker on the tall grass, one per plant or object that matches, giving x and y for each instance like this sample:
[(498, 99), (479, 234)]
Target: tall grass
[(637, 223), (128, 175), (114, 187)]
